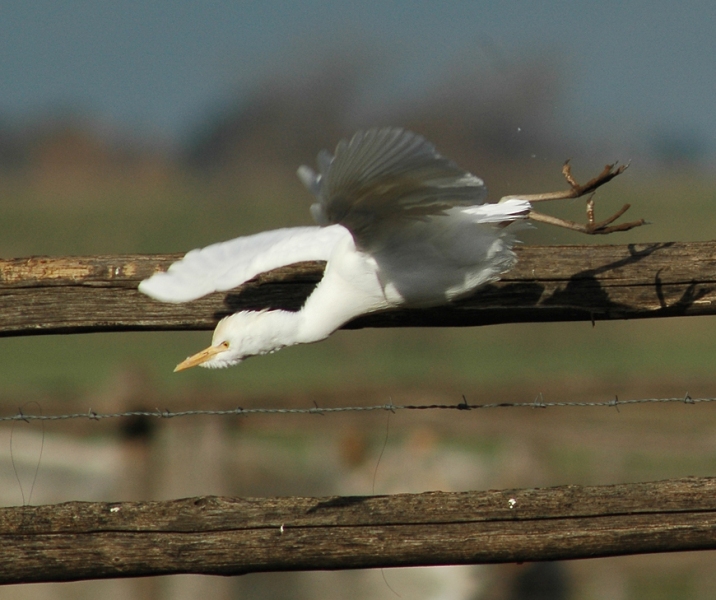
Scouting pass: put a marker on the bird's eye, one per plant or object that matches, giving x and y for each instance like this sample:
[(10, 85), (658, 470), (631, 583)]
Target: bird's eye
[(224, 345)]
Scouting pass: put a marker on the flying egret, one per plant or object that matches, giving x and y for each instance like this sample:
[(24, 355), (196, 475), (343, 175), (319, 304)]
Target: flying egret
[(398, 225)]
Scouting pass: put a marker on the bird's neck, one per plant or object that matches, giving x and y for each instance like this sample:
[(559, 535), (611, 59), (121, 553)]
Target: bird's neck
[(276, 329), (349, 288), (335, 301)]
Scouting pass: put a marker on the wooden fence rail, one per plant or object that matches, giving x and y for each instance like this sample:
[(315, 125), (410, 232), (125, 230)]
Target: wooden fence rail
[(232, 536), (41, 295), (224, 536)]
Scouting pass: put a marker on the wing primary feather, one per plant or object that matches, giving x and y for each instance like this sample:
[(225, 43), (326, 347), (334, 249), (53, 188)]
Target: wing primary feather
[(325, 158), (309, 179), (389, 174)]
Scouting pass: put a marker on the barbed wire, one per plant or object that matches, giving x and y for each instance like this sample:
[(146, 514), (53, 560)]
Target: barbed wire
[(538, 402)]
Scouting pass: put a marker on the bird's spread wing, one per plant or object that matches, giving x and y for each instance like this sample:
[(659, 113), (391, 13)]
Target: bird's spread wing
[(225, 265), (386, 176)]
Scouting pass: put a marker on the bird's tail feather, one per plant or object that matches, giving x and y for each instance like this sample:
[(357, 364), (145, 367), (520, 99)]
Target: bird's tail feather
[(509, 210)]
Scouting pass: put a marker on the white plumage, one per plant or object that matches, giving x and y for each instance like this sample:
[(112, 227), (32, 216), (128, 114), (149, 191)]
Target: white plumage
[(225, 265), (399, 225)]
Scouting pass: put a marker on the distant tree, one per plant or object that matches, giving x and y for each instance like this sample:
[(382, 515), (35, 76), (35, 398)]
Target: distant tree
[(13, 153), (500, 113), (287, 118), (503, 113)]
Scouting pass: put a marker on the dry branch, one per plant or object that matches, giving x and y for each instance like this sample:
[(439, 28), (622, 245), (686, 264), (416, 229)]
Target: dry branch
[(42, 295), (233, 536)]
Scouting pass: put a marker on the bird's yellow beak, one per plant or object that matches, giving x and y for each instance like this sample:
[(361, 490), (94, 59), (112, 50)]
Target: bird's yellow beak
[(202, 356)]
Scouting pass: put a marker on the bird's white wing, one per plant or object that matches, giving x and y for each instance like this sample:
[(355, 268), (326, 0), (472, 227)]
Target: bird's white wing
[(225, 265), (383, 177)]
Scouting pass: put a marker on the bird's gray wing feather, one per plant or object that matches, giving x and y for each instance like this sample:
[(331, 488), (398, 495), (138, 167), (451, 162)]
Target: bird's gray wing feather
[(387, 177)]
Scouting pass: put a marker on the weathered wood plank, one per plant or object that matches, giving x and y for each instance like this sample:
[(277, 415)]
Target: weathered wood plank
[(233, 536), (41, 295)]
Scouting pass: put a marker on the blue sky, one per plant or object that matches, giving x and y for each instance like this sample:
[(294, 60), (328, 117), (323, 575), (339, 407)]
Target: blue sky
[(630, 69)]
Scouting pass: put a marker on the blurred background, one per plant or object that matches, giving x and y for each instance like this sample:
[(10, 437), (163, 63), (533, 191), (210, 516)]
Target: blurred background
[(132, 127)]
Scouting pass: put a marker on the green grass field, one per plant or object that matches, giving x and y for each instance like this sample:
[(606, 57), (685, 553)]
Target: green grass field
[(184, 213)]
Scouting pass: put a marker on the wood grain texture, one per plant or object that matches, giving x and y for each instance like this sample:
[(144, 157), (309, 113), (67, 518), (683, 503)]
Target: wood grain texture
[(42, 295), (233, 536)]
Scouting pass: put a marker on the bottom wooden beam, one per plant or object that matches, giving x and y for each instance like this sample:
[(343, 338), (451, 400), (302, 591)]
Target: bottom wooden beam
[(233, 536)]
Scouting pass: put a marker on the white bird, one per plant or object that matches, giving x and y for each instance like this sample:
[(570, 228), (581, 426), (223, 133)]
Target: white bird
[(398, 225)]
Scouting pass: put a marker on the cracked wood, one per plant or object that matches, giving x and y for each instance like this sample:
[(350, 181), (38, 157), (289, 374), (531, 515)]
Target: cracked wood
[(234, 536), (47, 295)]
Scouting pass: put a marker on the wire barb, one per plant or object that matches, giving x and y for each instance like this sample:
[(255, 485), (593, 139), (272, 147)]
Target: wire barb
[(539, 401), (615, 402)]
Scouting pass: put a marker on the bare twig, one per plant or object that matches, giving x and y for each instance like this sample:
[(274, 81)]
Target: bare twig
[(577, 191)]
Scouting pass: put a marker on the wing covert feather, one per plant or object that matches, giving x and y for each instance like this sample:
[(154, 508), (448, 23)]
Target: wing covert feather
[(225, 265)]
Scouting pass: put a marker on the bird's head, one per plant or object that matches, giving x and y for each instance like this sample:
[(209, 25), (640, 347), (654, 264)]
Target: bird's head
[(236, 337)]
